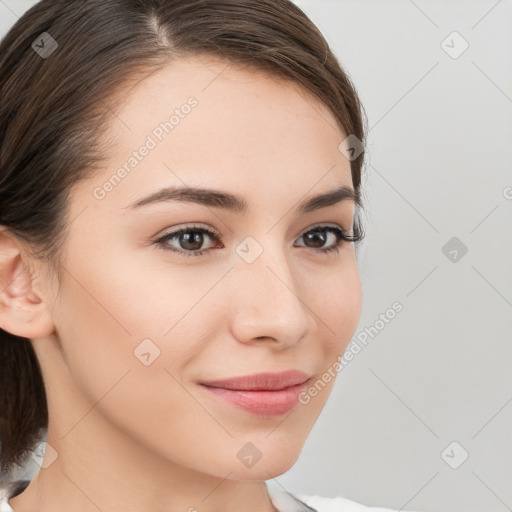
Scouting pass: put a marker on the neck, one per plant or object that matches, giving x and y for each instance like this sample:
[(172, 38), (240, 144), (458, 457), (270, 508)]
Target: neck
[(83, 472)]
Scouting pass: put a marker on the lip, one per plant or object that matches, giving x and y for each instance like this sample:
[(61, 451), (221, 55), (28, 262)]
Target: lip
[(264, 395), (261, 381)]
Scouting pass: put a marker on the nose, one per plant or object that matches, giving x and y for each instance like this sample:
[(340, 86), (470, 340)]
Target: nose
[(268, 302)]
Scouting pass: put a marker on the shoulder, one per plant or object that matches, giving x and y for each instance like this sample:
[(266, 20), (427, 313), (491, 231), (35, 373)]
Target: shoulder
[(5, 494), (9, 490), (338, 504)]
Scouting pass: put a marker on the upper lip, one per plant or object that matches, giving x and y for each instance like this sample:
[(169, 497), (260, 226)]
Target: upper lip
[(261, 381)]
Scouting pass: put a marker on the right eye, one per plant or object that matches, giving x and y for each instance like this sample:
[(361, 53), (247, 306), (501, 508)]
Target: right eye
[(191, 238)]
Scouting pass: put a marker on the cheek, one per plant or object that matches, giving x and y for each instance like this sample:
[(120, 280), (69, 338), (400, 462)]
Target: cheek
[(120, 362), (121, 320), (154, 294), (334, 297)]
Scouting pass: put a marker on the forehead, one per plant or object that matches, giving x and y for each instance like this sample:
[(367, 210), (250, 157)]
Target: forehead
[(214, 80), (210, 122)]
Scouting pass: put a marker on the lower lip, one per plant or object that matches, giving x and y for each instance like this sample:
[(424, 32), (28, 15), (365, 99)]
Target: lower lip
[(260, 403)]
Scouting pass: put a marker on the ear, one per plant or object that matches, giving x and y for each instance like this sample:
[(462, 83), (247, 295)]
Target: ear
[(23, 310)]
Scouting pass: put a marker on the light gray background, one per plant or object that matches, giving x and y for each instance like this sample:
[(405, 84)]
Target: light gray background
[(438, 166)]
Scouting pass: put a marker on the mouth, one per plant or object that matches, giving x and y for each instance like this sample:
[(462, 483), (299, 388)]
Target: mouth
[(261, 381), (255, 397)]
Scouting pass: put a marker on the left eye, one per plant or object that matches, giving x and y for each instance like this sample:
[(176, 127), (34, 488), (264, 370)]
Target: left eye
[(191, 239)]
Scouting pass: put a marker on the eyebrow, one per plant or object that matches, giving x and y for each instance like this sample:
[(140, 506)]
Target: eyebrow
[(227, 201)]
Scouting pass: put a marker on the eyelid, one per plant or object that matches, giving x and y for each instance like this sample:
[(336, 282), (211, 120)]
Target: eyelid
[(215, 233), (324, 225), (187, 227)]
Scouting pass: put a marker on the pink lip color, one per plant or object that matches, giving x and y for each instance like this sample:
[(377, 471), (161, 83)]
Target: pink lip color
[(260, 403), (261, 381), (263, 394)]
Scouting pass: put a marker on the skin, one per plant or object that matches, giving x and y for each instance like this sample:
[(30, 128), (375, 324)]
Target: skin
[(136, 437)]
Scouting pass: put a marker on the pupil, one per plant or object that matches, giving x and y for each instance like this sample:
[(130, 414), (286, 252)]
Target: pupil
[(192, 241), (316, 237)]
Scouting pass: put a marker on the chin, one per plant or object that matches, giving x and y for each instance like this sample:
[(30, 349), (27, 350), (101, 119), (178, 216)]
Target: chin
[(264, 460), (262, 471)]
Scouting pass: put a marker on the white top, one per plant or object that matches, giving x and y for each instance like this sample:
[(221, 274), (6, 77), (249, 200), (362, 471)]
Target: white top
[(293, 502), (282, 500)]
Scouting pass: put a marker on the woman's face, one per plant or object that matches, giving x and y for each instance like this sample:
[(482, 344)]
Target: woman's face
[(139, 324)]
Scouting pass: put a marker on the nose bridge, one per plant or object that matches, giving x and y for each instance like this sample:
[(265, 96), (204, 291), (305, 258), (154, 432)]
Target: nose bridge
[(266, 299), (263, 265)]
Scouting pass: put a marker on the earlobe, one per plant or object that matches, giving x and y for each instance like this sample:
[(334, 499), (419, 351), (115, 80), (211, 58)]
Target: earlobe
[(23, 312)]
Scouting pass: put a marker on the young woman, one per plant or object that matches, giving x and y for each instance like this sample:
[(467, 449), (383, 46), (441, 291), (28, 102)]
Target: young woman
[(179, 208)]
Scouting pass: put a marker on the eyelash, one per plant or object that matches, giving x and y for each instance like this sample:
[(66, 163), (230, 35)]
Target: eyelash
[(342, 239)]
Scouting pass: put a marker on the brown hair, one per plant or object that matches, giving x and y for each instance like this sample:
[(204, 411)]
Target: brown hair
[(54, 110)]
